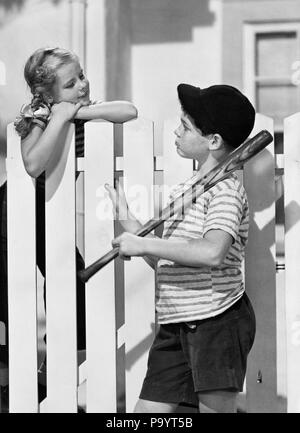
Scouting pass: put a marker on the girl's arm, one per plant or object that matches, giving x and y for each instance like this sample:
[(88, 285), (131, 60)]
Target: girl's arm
[(208, 251), (38, 147), (114, 111)]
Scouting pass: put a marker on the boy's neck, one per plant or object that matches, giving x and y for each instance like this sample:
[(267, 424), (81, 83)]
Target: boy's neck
[(212, 160)]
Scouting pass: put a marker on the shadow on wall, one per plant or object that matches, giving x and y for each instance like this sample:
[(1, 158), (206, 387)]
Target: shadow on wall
[(2, 146), (12, 4), (138, 22), (8, 7), (2, 139), (159, 21)]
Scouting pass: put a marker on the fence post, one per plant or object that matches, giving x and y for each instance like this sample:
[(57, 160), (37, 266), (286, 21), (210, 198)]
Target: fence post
[(292, 257), (22, 307), (139, 278), (100, 290), (260, 275), (61, 278)]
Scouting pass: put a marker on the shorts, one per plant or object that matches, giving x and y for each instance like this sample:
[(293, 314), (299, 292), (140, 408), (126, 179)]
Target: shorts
[(203, 355)]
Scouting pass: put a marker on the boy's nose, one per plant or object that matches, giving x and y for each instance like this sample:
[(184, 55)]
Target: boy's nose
[(177, 131)]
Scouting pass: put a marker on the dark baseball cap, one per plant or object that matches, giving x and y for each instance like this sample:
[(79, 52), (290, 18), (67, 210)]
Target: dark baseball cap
[(219, 109)]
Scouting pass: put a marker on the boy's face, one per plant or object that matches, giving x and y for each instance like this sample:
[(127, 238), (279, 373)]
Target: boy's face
[(190, 142), (70, 84)]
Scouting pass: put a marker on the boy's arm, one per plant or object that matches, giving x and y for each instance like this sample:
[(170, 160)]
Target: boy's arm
[(113, 111), (208, 251), (122, 213), (132, 225)]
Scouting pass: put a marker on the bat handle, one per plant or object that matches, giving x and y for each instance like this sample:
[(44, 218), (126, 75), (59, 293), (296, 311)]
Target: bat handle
[(87, 273)]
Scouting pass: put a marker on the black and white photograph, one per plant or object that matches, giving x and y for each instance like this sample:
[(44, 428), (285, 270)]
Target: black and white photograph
[(149, 209)]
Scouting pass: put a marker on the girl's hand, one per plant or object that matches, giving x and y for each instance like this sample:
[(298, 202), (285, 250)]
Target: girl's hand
[(65, 110), (119, 202), (129, 245)]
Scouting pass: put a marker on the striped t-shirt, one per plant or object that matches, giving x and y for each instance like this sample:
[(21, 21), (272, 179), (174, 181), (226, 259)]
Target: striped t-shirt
[(193, 293)]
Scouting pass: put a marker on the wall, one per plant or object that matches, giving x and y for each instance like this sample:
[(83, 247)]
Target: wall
[(25, 26), (237, 12), (172, 41)]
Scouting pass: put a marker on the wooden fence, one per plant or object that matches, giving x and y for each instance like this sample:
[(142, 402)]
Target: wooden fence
[(120, 315)]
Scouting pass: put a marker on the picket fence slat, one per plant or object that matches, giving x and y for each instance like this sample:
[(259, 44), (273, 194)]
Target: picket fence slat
[(21, 281), (139, 278), (61, 278), (292, 256), (100, 292), (260, 276)]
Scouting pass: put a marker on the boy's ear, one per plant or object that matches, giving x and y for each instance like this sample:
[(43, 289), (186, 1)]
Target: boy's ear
[(216, 142)]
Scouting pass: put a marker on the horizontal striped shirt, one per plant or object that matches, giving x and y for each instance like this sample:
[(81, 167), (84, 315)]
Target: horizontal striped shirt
[(193, 293)]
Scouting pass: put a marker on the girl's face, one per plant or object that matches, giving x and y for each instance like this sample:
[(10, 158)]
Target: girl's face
[(190, 142), (70, 84)]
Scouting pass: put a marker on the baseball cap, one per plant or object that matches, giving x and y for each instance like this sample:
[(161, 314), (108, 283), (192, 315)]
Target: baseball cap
[(221, 109)]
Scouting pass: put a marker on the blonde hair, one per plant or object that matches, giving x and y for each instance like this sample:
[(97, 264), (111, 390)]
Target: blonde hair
[(40, 74)]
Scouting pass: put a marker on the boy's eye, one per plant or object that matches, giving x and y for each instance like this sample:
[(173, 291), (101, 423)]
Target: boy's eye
[(81, 76)]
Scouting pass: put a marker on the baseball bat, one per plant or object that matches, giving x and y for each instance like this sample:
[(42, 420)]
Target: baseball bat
[(198, 185)]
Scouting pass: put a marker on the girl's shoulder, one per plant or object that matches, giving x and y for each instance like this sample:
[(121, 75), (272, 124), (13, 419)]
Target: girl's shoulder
[(41, 112), (29, 116)]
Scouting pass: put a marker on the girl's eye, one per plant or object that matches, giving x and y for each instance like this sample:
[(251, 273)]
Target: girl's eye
[(70, 85), (81, 76)]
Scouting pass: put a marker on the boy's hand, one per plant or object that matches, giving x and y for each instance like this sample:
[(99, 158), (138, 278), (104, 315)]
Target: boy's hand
[(65, 110), (119, 202), (129, 245)]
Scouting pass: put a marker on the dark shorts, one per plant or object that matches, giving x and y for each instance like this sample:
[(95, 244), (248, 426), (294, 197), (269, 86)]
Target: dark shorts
[(212, 355)]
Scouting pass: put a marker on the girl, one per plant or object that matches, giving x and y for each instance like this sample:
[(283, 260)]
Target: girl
[(60, 94)]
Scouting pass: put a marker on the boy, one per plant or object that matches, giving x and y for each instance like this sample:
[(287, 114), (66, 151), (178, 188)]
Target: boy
[(207, 324)]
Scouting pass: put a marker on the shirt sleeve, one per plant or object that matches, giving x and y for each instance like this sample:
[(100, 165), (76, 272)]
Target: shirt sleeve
[(225, 211)]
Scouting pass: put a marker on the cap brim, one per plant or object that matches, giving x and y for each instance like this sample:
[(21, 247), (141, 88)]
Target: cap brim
[(191, 101), (187, 95)]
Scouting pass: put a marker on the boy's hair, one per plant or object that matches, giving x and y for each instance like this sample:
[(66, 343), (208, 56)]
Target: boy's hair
[(219, 109), (40, 74)]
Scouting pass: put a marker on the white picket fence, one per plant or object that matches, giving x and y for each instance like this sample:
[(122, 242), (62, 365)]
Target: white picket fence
[(120, 315)]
